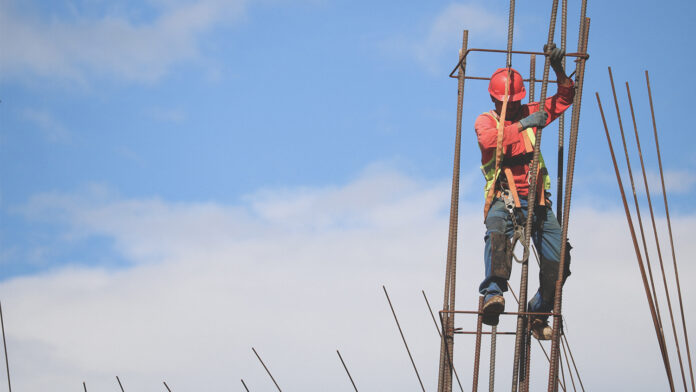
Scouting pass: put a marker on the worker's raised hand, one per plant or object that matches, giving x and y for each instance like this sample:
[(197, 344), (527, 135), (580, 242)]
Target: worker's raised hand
[(536, 119), (556, 58)]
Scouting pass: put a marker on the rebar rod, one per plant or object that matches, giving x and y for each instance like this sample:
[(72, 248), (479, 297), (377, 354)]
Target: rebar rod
[(84, 385), (657, 240), (491, 370), (570, 371), (437, 328), (531, 199), (167, 386), (244, 384), (447, 342), (511, 27), (477, 351), (527, 357), (669, 227), (573, 361), (635, 200), (572, 147), (347, 372), (265, 367), (563, 379), (640, 221), (403, 338), (639, 259), (4, 345), (119, 383), (561, 120)]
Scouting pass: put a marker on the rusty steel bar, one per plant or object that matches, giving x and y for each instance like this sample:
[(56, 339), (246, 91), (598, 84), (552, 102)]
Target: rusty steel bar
[(503, 313), (482, 333), (527, 357), (640, 224), (573, 361), (561, 121), (4, 344), (511, 28), (243, 383), (563, 379), (572, 146), (167, 386), (635, 200), (347, 372), (403, 338), (669, 227), (447, 343), (491, 369), (570, 372), (532, 77), (265, 367), (639, 259), (437, 328), (657, 240), (524, 80), (119, 383), (531, 200), (466, 53), (84, 385), (477, 351)]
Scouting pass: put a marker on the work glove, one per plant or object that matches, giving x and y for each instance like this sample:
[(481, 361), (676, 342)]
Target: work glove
[(536, 119), (556, 57)]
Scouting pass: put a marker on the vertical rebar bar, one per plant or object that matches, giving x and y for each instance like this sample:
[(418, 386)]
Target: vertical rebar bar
[(267, 371), (244, 384), (636, 248), (477, 351), (447, 342), (531, 200), (669, 227), (532, 76), (167, 386), (4, 344), (437, 328), (491, 372), (347, 372), (561, 121), (404, 339), (572, 146), (119, 383), (657, 240), (511, 28)]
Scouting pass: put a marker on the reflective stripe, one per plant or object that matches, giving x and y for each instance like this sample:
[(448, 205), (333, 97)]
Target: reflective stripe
[(491, 174)]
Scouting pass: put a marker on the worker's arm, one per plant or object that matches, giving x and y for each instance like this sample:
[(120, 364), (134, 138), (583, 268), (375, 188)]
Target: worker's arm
[(487, 133), (557, 104)]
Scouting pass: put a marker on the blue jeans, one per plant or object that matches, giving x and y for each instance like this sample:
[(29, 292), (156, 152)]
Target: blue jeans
[(547, 242)]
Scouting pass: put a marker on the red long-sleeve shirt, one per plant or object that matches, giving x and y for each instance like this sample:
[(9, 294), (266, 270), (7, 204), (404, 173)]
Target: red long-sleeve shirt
[(513, 142)]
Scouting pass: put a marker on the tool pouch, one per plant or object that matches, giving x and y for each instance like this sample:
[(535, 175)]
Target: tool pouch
[(549, 274), (501, 255)]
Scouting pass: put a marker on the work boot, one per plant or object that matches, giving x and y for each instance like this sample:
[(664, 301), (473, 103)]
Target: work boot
[(492, 309), (541, 329)]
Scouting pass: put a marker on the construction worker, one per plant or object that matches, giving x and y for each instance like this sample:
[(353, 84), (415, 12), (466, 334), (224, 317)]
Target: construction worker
[(507, 189)]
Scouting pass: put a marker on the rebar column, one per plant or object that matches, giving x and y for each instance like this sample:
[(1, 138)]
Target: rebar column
[(572, 144), (531, 199), (447, 342), (561, 120), (477, 351)]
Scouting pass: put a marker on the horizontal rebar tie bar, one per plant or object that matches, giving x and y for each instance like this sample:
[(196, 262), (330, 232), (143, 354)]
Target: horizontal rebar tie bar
[(583, 56)]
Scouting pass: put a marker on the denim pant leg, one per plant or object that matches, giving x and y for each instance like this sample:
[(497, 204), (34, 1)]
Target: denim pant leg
[(548, 244), (498, 220)]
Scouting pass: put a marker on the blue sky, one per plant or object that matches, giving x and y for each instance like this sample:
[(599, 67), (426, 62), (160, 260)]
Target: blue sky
[(140, 135)]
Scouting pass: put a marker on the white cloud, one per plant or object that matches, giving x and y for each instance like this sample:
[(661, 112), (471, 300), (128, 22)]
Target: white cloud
[(113, 44), (50, 128), (296, 273), (445, 32)]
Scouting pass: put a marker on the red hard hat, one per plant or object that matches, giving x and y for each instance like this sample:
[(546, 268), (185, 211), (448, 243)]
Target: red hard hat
[(497, 85)]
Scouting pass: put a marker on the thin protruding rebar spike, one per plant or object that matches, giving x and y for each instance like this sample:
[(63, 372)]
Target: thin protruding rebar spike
[(562, 381), (640, 225), (245, 386), (570, 371), (669, 227), (265, 367), (437, 328), (84, 385), (119, 383), (639, 259), (657, 240), (166, 386), (404, 339), (347, 372), (565, 337), (635, 199), (4, 344)]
